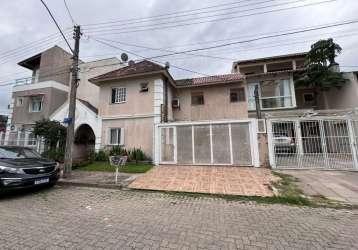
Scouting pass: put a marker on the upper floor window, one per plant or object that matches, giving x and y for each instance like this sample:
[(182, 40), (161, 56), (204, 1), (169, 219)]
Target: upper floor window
[(116, 136), (273, 94), (19, 101), (119, 95), (237, 95), (197, 98), (36, 104)]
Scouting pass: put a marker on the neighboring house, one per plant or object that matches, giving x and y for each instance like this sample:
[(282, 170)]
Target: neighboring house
[(45, 95)]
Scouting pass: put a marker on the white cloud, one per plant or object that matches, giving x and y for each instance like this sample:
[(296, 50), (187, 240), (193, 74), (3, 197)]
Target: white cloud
[(26, 20)]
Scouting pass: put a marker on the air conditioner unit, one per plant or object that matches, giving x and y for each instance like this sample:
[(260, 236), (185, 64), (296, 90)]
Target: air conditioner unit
[(175, 103)]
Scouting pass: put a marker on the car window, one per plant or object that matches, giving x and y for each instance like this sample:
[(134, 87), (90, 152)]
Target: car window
[(17, 153)]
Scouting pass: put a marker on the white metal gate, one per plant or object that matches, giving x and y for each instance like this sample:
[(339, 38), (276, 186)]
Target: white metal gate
[(208, 143), (313, 143)]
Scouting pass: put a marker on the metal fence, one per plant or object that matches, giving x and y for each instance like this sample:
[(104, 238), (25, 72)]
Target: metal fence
[(313, 143), (209, 143)]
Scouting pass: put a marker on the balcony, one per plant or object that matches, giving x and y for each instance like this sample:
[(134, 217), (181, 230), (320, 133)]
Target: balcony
[(24, 81)]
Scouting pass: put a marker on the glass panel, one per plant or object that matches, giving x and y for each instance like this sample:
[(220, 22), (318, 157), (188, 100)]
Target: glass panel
[(251, 97), (202, 144), (241, 147), (221, 144), (280, 102), (184, 145), (167, 144)]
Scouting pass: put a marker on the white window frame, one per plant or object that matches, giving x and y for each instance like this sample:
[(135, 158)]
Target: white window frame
[(121, 139), (292, 95), (120, 95), (31, 110)]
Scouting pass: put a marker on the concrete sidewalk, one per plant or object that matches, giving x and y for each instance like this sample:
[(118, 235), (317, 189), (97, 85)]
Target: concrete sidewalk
[(335, 185)]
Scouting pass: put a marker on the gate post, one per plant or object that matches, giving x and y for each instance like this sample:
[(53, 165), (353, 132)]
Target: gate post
[(353, 143), (270, 144), (323, 142)]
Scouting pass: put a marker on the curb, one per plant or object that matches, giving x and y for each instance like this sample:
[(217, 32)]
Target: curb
[(92, 185)]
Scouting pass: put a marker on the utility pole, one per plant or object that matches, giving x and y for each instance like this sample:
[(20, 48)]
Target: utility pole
[(72, 103)]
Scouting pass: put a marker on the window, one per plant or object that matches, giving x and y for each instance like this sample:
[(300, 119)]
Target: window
[(237, 95), (116, 136), (273, 94), (36, 104), (308, 97), (19, 101), (197, 98), (119, 95), (31, 140), (144, 87)]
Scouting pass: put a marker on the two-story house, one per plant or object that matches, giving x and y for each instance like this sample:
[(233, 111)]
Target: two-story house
[(44, 96), (189, 121)]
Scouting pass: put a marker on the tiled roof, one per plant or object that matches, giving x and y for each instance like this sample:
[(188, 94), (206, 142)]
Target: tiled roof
[(208, 80), (130, 70)]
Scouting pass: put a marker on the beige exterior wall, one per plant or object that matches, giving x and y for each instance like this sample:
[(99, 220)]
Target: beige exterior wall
[(137, 103), (55, 65), (216, 106), (138, 133), (345, 97), (52, 100), (87, 90)]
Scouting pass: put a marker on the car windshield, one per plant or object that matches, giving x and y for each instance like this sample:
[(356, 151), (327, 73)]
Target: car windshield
[(17, 153)]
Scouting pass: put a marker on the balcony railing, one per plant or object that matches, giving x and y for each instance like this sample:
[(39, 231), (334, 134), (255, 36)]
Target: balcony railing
[(24, 81)]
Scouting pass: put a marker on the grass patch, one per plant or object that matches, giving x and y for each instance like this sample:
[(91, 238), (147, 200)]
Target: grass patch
[(128, 168)]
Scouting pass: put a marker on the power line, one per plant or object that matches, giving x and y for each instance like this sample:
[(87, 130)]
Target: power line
[(207, 21), (183, 15), (58, 26), (168, 14), (69, 13), (133, 53), (166, 50), (256, 39)]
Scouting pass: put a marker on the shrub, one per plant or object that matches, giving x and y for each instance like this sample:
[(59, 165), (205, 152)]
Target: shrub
[(101, 155), (55, 154), (117, 150), (92, 156), (137, 154)]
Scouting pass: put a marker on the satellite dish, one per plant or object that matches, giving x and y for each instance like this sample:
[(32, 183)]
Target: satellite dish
[(124, 57), (131, 62), (167, 65)]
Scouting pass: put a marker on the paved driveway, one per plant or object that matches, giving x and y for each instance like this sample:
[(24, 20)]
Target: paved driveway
[(336, 185), (85, 218), (246, 181)]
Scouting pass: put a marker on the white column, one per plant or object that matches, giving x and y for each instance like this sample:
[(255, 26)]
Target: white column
[(26, 138), (294, 66), (265, 68), (18, 138)]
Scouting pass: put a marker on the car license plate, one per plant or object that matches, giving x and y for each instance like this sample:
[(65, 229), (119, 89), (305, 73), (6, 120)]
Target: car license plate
[(42, 181)]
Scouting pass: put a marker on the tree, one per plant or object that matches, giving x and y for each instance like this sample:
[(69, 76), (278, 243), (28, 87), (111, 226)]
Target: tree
[(319, 73), (53, 132)]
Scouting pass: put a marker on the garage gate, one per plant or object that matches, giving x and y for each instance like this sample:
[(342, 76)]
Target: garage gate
[(209, 143), (313, 143)]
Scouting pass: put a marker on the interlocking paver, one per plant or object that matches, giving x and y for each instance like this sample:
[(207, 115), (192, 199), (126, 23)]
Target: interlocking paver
[(246, 181), (87, 218)]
